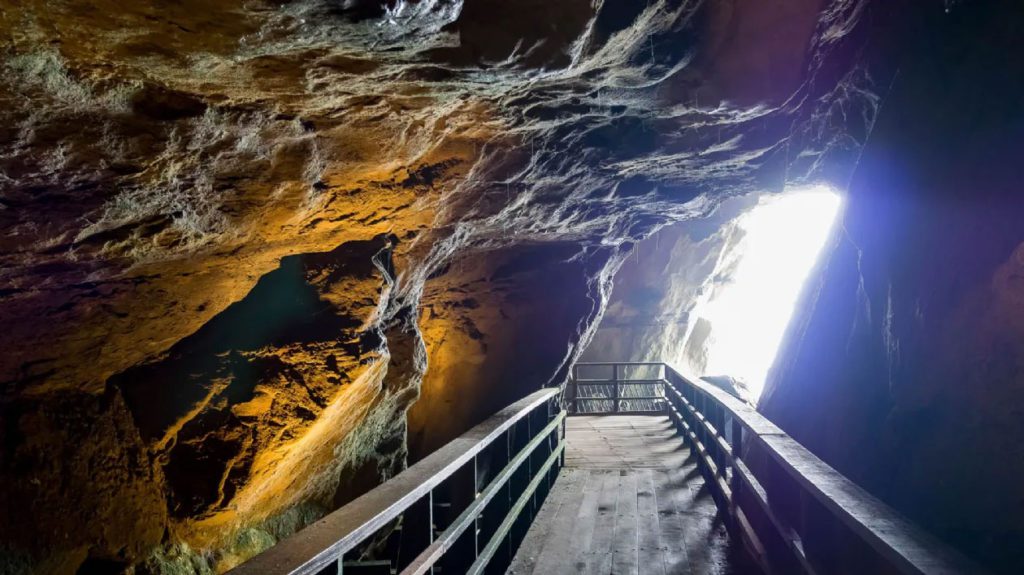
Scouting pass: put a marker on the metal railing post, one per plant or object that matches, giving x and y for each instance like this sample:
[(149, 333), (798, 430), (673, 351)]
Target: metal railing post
[(574, 384), (476, 519), (615, 388), (430, 520)]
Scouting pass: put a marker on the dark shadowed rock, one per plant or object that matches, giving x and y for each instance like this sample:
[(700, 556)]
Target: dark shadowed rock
[(904, 371), (212, 334)]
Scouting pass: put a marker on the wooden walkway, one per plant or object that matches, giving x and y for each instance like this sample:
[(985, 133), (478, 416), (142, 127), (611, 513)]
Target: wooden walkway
[(629, 500)]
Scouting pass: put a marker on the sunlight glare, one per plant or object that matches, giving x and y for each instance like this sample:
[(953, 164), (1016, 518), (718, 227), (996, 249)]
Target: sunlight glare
[(784, 234)]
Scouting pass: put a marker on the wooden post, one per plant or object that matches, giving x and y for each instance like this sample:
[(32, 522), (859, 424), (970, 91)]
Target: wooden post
[(736, 431), (737, 438), (720, 429)]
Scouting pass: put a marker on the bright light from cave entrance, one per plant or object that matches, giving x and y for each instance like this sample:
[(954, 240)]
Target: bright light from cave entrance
[(784, 235)]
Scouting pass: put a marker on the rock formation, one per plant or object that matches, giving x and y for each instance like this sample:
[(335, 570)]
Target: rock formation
[(239, 241), (902, 368), (650, 313), (911, 345)]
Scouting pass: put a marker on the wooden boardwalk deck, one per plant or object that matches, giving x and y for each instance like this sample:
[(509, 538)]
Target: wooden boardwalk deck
[(629, 500)]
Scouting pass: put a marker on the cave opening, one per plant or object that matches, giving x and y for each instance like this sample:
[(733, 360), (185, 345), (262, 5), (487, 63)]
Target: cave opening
[(260, 259), (714, 297), (739, 320)]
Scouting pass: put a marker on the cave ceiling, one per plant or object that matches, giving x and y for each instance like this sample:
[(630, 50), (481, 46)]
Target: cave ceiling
[(235, 235)]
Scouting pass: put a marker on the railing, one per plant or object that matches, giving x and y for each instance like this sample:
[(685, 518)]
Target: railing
[(616, 387), (463, 509), (791, 510)]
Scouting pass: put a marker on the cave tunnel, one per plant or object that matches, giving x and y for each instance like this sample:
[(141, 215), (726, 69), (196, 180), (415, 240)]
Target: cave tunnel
[(513, 286), (717, 304)]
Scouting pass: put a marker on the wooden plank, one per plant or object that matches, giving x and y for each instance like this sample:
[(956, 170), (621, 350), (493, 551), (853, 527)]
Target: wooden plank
[(660, 540), (597, 557), (541, 528), (562, 556), (650, 549), (704, 537), (625, 548), (624, 442), (675, 558), (586, 517), (552, 527), (704, 533)]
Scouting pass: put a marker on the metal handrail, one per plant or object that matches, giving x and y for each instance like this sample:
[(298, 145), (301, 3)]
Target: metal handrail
[(617, 383), (321, 547)]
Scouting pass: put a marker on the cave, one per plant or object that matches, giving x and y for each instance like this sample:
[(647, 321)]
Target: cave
[(718, 304), (260, 259)]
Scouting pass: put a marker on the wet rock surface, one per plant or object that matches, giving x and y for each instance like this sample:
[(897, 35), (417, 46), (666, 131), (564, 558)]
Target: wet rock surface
[(910, 346), (239, 240)]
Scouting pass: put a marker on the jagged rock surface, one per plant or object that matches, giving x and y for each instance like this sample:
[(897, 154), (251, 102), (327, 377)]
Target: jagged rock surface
[(234, 236), (649, 316), (911, 346)]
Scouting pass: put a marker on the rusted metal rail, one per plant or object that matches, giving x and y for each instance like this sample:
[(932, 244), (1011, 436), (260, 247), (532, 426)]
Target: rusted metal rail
[(460, 510), (793, 512)]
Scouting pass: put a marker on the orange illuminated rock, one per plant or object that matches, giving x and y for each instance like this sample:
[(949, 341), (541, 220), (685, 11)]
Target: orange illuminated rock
[(225, 225)]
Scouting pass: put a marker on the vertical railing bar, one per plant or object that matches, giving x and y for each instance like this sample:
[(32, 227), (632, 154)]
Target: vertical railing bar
[(430, 519), (508, 484), (615, 388), (721, 433), (562, 438), (476, 519), (529, 436), (576, 395)]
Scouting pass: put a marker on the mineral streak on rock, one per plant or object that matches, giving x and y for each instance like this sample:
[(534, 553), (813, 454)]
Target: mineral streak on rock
[(224, 226)]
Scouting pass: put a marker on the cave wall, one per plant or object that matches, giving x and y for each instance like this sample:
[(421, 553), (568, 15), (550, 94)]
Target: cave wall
[(660, 283), (500, 324), (904, 368), (389, 189)]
